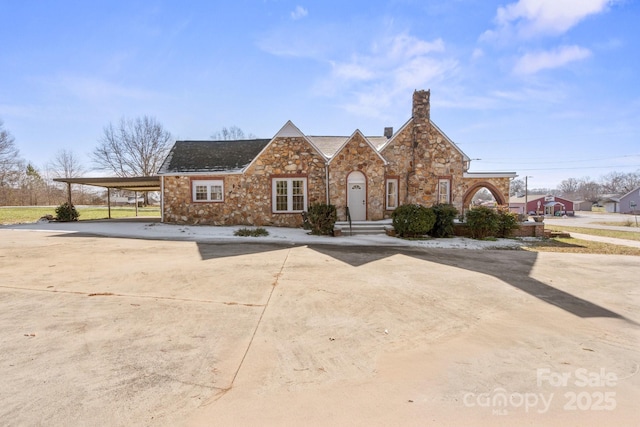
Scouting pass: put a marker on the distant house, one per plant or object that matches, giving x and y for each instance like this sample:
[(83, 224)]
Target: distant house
[(272, 181), (541, 205), (630, 202), (609, 203), (582, 205)]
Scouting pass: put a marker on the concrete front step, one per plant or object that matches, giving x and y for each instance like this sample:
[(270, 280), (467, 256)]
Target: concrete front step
[(361, 227)]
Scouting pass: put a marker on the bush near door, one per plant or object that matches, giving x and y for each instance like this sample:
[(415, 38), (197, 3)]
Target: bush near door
[(413, 220)]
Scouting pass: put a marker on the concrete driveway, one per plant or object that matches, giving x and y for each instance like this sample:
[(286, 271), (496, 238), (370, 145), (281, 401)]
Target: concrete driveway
[(115, 331)]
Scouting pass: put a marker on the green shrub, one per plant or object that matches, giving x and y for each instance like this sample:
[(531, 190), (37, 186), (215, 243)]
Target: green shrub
[(507, 221), (482, 222), (251, 232), (413, 220), (321, 218), (66, 212), (445, 214)]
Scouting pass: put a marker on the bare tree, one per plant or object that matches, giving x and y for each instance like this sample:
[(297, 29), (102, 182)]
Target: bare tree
[(569, 188), (133, 147), (65, 164), (10, 162), (620, 182), (588, 189), (516, 188), (233, 133), (11, 168)]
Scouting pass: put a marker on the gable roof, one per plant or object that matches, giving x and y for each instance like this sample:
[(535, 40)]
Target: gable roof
[(373, 147), (211, 156), (289, 130), (637, 189), (389, 141), (329, 145)]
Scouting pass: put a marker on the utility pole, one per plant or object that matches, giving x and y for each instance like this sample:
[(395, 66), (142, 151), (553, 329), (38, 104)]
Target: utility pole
[(526, 197)]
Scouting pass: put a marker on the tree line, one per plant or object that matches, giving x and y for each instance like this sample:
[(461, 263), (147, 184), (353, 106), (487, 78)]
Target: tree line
[(585, 188), (130, 147)]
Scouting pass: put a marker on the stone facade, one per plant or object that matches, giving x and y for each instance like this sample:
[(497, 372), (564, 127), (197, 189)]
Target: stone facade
[(357, 155), (248, 196), (418, 156)]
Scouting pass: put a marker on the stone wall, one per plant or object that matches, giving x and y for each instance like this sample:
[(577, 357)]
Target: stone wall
[(247, 197)]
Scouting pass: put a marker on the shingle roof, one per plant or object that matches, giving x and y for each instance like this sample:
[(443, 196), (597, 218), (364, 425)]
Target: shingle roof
[(330, 144), (211, 156)]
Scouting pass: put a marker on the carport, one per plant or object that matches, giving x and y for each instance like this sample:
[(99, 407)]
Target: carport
[(134, 183)]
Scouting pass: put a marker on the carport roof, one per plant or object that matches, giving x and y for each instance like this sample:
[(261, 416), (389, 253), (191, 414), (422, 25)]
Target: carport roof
[(135, 183)]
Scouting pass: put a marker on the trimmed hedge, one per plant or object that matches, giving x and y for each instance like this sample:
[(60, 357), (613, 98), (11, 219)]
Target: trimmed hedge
[(507, 221), (413, 220), (485, 222), (482, 222)]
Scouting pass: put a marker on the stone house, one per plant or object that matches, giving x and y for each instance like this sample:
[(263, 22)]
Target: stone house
[(272, 181)]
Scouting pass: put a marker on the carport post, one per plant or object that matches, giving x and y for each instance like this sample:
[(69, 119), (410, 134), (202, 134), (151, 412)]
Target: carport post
[(109, 201), (69, 193), (136, 198)]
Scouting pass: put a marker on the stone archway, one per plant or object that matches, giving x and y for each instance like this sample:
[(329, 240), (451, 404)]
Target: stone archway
[(495, 192)]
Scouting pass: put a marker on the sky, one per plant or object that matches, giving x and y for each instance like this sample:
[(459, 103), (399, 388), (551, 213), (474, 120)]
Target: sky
[(544, 88)]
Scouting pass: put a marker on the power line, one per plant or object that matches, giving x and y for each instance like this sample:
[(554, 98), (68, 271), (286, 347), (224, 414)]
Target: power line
[(579, 167), (516, 161)]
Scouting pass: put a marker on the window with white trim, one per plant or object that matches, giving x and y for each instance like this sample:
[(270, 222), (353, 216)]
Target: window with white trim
[(208, 190), (392, 193), (289, 195), (444, 191)]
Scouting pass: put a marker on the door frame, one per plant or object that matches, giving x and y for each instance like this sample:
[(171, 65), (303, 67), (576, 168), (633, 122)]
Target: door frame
[(358, 177)]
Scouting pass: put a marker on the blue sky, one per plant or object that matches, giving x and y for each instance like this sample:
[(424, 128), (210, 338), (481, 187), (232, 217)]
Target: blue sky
[(545, 88)]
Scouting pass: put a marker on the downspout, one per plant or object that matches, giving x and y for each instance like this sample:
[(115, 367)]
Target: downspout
[(326, 180), (162, 198)]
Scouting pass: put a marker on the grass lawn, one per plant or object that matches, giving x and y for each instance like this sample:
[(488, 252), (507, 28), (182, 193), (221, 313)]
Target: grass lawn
[(577, 246), (628, 223), (628, 235), (24, 214)]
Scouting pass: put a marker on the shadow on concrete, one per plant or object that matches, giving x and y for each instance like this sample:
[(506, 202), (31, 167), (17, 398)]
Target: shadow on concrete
[(511, 266)]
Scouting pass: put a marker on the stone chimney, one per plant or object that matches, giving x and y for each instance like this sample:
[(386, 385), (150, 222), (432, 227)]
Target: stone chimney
[(421, 117), (388, 132), (421, 107)]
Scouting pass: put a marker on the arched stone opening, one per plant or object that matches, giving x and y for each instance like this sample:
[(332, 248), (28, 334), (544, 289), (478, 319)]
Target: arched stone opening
[(471, 191)]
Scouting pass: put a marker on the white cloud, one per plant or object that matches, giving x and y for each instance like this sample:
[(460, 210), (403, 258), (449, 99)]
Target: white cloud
[(393, 66), (531, 63), (299, 13), (352, 71), (98, 90), (477, 53), (531, 18)]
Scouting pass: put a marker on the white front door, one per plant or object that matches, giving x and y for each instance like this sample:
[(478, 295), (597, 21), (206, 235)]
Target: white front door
[(357, 196)]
